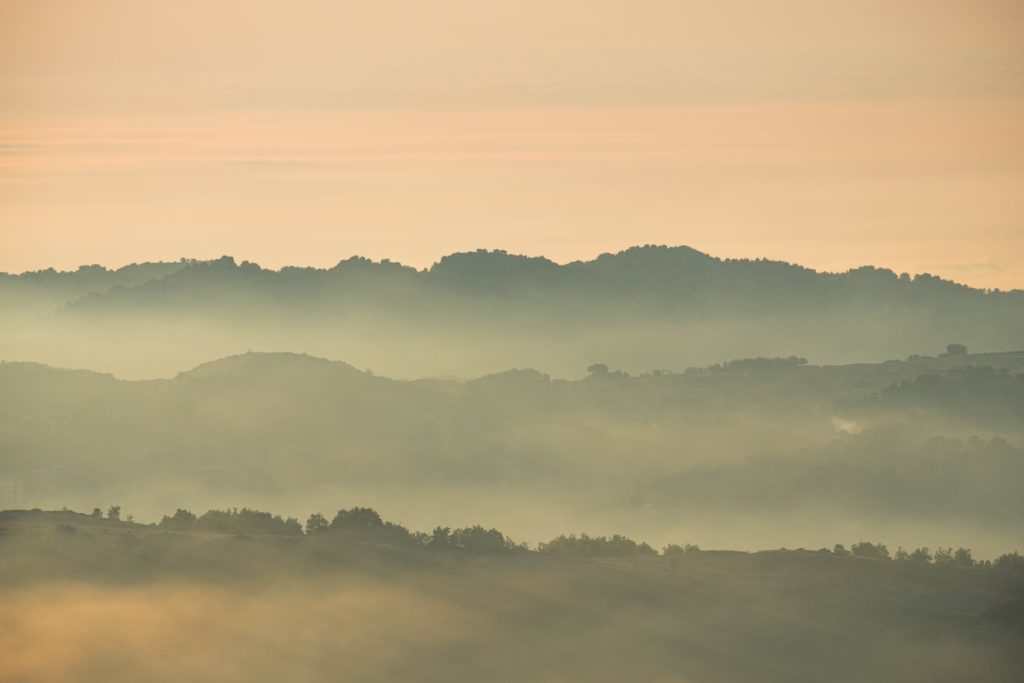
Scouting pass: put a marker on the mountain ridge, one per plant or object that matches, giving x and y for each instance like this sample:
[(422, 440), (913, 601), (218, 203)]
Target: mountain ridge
[(480, 262), (480, 312), (670, 279)]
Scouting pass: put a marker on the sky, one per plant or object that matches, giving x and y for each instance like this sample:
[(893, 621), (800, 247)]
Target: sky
[(831, 134)]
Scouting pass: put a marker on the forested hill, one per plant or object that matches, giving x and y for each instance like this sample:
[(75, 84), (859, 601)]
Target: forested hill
[(667, 278), (367, 600), (479, 312), (985, 389), (42, 291), (926, 441), (676, 279)]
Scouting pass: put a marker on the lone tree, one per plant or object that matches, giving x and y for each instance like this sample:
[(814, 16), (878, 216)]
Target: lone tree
[(114, 513)]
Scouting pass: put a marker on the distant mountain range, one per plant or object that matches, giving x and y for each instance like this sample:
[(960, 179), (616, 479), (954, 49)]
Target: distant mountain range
[(672, 278), (477, 312)]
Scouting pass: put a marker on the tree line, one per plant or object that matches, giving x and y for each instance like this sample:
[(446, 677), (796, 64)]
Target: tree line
[(366, 523)]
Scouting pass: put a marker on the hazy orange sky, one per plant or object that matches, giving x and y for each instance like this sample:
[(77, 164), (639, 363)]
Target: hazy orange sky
[(828, 133)]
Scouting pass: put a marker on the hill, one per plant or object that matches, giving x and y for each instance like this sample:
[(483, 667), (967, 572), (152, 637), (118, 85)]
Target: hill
[(742, 452), (363, 607), (479, 312), (43, 291)]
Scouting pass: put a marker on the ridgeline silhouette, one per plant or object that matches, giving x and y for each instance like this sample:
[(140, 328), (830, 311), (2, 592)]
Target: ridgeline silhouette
[(478, 312)]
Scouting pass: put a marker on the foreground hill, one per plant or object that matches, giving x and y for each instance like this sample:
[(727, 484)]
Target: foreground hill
[(357, 607), (479, 312), (927, 449)]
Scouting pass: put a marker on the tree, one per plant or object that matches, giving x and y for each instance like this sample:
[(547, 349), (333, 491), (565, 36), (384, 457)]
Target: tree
[(316, 524), (367, 523), (114, 513), (596, 546), (962, 557), (183, 520), (478, 539), (598, 369), (674, 549), (441, 537), (955, 350), (357, 517), (215, 520), (247, 521), (840, 549), (1013, 559), (868, 549), (97, 513), (921, 555)]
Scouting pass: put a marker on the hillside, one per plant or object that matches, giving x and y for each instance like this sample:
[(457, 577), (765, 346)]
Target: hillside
[(757, 445), (43, 291), (479, 312), (376, 610)]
